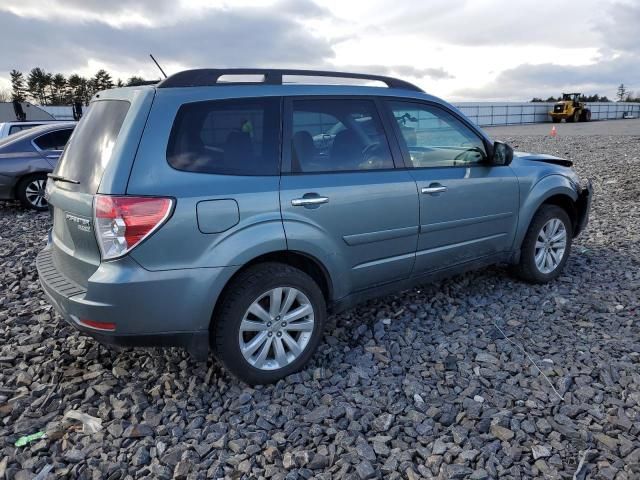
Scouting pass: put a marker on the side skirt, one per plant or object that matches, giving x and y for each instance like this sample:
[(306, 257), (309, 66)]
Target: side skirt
[(353, 299)]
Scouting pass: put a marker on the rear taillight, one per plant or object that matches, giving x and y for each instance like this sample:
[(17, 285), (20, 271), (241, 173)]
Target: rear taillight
[(121, 223), (106, 326)]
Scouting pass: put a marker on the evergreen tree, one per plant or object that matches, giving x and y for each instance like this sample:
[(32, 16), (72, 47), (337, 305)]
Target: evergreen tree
[(17, 86), (134, 81), (622, 92), (37, 83), (102, 80), (59, 94)]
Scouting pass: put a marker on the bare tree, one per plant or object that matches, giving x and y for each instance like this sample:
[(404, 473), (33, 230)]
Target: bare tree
[(5, 95)]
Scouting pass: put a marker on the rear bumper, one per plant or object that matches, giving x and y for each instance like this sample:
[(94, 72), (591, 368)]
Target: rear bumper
[(583, 206), (149, 309)]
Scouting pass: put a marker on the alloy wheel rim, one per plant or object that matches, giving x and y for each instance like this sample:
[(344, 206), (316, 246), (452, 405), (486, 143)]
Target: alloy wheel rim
[(551, 244), (35, 193), (276, 328)]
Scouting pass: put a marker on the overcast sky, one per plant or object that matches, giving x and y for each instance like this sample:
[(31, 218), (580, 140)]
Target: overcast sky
[(460, 50)]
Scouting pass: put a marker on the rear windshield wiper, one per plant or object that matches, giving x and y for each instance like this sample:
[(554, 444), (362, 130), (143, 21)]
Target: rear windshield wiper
[(59, 178)]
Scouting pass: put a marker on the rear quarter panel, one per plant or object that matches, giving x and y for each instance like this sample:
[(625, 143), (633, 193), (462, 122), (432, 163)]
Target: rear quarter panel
[(181, 242)]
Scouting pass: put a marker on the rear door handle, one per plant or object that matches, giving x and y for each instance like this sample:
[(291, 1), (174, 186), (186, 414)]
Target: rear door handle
[(307, 201), (431, 189)]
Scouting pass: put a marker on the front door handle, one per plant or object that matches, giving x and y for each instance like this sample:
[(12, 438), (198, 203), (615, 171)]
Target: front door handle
[(309, 201), (434, 188)]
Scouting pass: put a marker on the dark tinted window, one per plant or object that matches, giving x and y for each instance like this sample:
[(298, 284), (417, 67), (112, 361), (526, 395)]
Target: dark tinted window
[(19, 128), (89, 150), (338, 135), (435, 138), (231, 137), (53, 140)]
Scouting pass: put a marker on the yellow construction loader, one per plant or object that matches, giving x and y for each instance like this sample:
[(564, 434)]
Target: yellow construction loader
[(571, 109)]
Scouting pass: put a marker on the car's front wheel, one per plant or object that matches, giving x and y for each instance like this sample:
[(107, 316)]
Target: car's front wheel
[(546, 245), (30, 192), (269, 323)]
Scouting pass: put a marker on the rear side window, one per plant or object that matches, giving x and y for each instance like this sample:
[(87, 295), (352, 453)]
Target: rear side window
[(91, 145), (53, 140), (19, 128), (229, 137)]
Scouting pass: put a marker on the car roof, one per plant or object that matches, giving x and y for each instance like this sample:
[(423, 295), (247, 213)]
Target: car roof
[(31, 133), (199, 83), (33, 122), (49, 127)]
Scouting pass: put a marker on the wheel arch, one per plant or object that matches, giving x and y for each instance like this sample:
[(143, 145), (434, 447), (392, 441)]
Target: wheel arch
[(300, 260), (551, 190)]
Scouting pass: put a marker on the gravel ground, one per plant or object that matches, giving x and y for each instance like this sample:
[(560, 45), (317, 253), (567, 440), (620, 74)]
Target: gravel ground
[(417, 385)]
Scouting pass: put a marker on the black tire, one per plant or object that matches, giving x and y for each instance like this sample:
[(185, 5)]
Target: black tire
[(587, 115), (574, 117), (556, 119), (527, 269), (25, 188), (246, 288)]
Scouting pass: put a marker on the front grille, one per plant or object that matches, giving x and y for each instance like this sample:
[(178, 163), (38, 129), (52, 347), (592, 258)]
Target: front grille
[(558, 109), (50, 275)]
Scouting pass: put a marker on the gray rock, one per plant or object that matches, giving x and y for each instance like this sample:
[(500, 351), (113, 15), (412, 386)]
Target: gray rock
[(138, 431), (383, 422), (456, 471), (141, 457), (73, 455), (540, 451), (365, 470), (502, 433)]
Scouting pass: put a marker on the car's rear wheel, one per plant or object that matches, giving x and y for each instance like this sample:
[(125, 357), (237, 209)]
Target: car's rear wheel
[(546, 245), (30, 192), (269, 323)]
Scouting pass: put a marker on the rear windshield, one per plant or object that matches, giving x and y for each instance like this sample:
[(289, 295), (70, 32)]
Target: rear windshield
[(89, 149)]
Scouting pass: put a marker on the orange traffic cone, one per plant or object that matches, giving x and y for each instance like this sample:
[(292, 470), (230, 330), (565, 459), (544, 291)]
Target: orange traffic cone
[(553, 133)]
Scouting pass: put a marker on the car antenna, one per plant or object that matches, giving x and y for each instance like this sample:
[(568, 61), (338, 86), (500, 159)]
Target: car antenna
[(158, 65)]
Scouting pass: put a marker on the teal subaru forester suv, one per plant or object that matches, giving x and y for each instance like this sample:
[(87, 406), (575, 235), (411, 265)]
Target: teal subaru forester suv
[(231, 210)]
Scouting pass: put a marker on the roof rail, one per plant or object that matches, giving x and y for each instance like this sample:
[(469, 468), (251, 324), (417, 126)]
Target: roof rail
[(205, 77)]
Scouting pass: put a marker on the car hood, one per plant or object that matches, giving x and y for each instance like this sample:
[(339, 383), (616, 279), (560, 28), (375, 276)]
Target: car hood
[(542, 157)]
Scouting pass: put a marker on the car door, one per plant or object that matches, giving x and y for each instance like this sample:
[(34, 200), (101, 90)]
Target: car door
[(468, 208), (342, 200)]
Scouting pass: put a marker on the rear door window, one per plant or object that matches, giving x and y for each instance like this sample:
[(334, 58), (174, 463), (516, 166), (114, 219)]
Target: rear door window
[(53, 140), (91, 145), (228, 137), (337, 135)]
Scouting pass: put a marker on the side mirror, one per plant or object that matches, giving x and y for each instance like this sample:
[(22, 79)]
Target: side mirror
[(502, 154)]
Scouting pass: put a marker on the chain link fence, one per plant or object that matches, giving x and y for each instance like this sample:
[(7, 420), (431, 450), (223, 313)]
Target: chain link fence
[(503, 113)]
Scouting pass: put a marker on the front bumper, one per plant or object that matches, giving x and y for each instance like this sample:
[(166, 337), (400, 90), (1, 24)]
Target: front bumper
[(583, 206), (150, 309)]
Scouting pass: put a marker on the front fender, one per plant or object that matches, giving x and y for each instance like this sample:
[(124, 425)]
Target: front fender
[(545, 188)]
